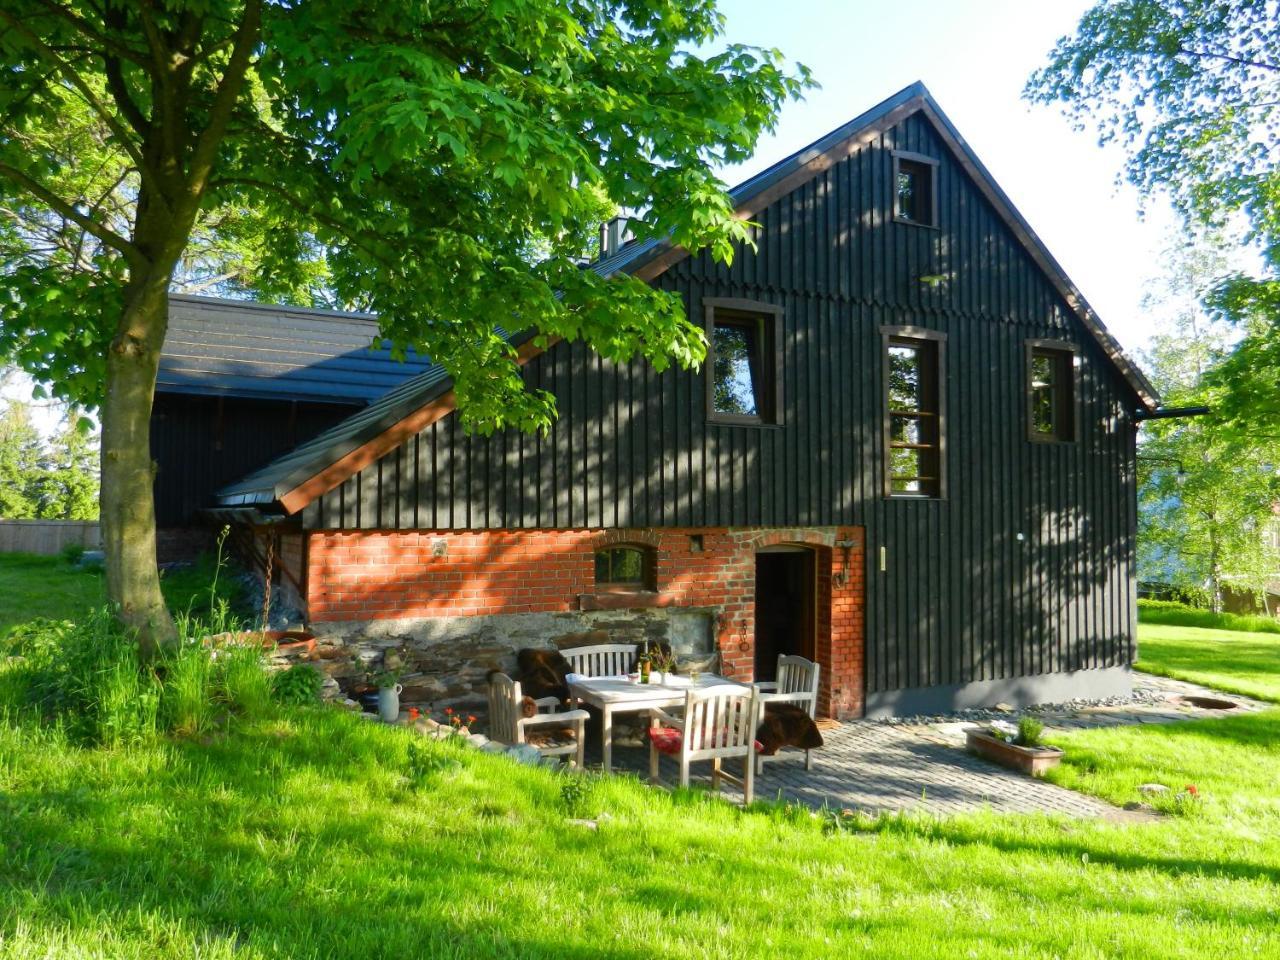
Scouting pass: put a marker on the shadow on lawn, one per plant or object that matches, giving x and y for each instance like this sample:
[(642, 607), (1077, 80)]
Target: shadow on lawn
[(78, 848)]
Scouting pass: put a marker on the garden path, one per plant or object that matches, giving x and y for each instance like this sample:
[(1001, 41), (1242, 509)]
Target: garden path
[(920, 764)]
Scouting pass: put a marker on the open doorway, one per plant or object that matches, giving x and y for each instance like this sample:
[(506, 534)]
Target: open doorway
[(785, 601)]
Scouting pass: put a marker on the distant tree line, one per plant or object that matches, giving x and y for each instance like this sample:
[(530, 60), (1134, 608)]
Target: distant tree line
[(54, 479)]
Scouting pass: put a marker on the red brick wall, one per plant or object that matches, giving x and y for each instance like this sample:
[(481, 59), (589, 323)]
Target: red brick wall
[(363, 575)]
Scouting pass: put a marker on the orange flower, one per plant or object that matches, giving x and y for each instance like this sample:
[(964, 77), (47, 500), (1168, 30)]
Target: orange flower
[(471, 718), (448, 709)]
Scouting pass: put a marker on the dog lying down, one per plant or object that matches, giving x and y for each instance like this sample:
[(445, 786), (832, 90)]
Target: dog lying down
[(786, 725)]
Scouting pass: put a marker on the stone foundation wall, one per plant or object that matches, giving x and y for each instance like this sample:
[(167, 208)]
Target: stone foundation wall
[(457, 604), (446, 661)]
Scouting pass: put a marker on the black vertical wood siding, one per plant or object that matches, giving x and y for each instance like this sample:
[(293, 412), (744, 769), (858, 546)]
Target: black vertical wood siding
[(962, 598), (200, 444)]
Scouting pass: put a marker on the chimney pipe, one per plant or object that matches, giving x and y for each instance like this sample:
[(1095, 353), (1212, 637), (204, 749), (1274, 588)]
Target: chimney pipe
[(613, 235)]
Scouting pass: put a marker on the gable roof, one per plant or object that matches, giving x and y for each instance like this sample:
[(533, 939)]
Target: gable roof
[(317, 467), (217, 347)]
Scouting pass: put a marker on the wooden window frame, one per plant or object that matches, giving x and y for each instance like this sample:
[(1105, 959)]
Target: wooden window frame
[(769, 318), (649, 570), (937, 341), (1061, 351), (925, 164)]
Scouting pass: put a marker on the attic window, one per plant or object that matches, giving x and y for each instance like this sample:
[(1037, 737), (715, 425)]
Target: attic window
[(915, 199)]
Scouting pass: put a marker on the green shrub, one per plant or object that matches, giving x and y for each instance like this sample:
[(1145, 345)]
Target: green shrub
[(87, 676), (71, 553), (298, 686), (1174, 614)]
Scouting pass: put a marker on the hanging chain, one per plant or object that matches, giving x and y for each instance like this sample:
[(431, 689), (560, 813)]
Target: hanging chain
[(266, 592)]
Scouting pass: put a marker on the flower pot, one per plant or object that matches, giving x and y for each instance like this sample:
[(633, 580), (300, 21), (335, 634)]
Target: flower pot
[(389, 703), (1032, 760)]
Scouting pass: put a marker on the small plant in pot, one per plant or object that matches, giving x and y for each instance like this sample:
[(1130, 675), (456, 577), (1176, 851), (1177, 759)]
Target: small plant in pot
[(389, 690), (1019, 747)]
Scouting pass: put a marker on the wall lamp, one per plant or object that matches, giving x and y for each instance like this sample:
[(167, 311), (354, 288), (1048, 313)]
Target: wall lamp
[(842, 578)]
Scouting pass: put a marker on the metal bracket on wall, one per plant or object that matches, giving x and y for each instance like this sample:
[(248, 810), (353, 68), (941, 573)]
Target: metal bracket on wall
[(884, 559), (841, 579)]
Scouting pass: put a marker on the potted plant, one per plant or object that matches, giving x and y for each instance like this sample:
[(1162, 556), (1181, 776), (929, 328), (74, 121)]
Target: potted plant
[(389, 689), (1019, 748), (661, 665)]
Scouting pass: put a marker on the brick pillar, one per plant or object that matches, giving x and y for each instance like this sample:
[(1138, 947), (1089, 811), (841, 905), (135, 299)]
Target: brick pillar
[(842, 688)]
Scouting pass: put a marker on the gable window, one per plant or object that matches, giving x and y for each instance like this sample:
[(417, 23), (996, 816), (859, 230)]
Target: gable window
[(913, 412), (1050, 391), (742, 361), (915, 181), (624, 568)]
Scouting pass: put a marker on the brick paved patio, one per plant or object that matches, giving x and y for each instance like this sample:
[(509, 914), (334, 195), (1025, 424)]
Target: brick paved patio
[(878, 767)]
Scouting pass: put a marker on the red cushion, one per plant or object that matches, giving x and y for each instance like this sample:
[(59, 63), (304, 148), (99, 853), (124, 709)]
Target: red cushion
[(668, 740)]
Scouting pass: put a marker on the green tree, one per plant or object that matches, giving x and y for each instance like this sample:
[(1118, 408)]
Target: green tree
[(436, 163), (1192, 89), (19, 463), (1206, 491), (68, 482)]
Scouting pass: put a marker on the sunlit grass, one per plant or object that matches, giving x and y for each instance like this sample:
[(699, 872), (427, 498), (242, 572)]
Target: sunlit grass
[(1244, 663), (304, 836)]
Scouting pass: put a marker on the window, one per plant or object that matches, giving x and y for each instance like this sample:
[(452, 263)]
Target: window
[(1050, 391), (624, 568), (913, 412), (742, 361), (914, 185)]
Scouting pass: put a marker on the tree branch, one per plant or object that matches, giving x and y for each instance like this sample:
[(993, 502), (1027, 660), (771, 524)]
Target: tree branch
[(224, 100), (64, 209), (79, 83), (345, 230), (103, 40), (1229, 58)]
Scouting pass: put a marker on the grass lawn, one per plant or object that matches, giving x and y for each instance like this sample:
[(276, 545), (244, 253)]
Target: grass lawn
[(302, 837), (33, 586), (1245, 663), (312, 833)]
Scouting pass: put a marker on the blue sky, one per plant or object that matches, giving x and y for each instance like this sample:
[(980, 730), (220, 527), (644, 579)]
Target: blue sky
[(974, 56)]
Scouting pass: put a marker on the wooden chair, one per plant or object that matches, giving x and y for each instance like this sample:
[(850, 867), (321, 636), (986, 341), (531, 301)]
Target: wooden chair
[(601, 660), (797, 683), (719, 723), (508, 725)]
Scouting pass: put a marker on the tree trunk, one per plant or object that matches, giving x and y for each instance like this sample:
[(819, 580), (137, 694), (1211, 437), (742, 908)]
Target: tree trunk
[(128, 515)]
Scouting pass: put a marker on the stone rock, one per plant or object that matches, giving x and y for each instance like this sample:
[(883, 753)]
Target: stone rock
[(524, 753), (493, 747), (551, 763), (478, 739), (1152, 789), (329, 689), (1135, 805), (348, 704), (1003, 708)]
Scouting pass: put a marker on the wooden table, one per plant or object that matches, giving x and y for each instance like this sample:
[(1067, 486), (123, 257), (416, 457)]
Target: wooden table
[(621, 695)]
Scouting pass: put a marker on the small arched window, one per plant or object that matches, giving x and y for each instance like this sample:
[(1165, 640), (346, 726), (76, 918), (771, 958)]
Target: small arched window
[(624, 567)]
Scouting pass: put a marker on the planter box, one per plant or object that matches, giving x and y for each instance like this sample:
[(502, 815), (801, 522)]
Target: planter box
[(1032, 760)]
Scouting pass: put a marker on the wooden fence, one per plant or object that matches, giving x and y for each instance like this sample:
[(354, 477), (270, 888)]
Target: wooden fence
[(47, 536)]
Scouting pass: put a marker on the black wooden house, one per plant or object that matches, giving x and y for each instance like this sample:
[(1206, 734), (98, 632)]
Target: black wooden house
[(910, 455)]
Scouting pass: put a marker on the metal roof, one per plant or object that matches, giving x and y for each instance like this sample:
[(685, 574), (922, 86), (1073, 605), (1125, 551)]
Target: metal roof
[(278, 478), (238, 348)]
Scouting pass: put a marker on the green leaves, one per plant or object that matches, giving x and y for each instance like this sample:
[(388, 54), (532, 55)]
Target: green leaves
[(1192, 89)]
